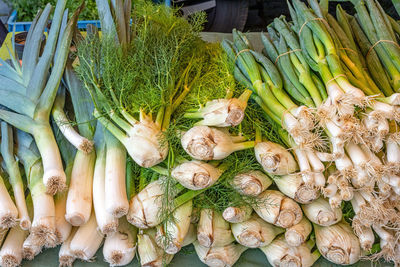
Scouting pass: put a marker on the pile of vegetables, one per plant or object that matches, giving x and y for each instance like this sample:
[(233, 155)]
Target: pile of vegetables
[(145, 139)]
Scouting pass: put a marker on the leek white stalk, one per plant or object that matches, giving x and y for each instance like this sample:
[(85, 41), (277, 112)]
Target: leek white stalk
[(63, 227), (8, 210), (114, 185), (206, 143), (80, 142), (43, 224), (255, 232), (321, 212), (213, 230), (171, 234), (66, 256), (191, 235), (274, 158), (31, 247), (276, 208), (144, 208), (119, 247), (251, 183), (79, 200), (293, 186), (225, 256), (105, 221), (237, 214), (3, 234), (280, 253), (196, 175), (298, 233), (337, 243), (12, 168), (222, 112), (150, 254), (11, 251), (87, 240)]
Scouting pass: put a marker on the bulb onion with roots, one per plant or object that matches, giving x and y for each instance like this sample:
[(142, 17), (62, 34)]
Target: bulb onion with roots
[(276, 208), (222, 256), (171, 234), (255, 232), (274, 158), (119, 247), (207, 143), (320, 212), (196, 175), (251, 183), (213, 230), (280, 253), (337, 243)]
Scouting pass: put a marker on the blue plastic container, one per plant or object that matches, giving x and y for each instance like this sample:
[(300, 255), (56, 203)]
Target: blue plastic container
[(24, 26)]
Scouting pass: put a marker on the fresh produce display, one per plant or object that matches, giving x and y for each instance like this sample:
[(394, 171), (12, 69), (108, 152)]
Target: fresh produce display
[(143, 139)]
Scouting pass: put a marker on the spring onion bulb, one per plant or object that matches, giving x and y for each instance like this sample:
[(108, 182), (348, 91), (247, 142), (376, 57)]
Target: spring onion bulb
[(255, 232), (119, 247), (337, 243), (150, 254), (213, 230), (196, 175), (321, 213), (66, 256), (393, 152), (274, 158), (144, 208), (298, 233), (79, 200), (11, 251), (366, 236), (237, 214), (222, 112), (171, 234), (106, 222), (191, 235), (293, 186), (12, 168), (114, 185), (251, 183), (87, 240), (206, 143), (8, 210), (224, 256), (280, 253), (277, 209)]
